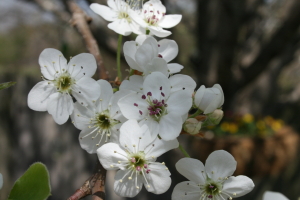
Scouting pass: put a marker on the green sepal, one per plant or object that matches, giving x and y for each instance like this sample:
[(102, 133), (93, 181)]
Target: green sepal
[(6, 85)]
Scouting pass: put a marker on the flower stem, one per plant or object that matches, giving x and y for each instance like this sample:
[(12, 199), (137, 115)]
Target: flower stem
[(184, 151), (198, 112), (147, 32), (119, 58)]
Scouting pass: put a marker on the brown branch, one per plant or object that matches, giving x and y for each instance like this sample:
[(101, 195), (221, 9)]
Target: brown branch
[(80, 20), (92, 186)]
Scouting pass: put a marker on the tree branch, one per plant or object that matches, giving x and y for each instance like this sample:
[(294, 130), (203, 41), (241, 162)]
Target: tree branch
[(92, 186), (80, 21)]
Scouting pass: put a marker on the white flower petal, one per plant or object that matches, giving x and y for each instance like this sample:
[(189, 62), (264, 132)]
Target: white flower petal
[(135, 83), (152, 125), (161, 147), (157, 65), (174, 68), (51, 61), (186, 190), (182, 82), (106, 93), (133, 106), (88, 143), (120, 26), (274, 196), (238, 186), (222, 99), (153, 42), (199, 95), (107, 13), (112, 4), (109, 154), (1, 180), (86, 90), (180, 102), (213, 103), (144, 55), (81, 116), (168, 49), (60, 106), (115, 111), (129, 50), (39, 96), (82, 65), (127, 188), (192, 169), (158, 181), (132, 136), (220, 164), (159, 32), (170, 126), (169, 21), (158, 84), (141, 38)]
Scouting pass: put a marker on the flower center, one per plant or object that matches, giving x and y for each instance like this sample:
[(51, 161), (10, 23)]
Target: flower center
[(138, 162), (124, 15), (152, 16), (103, 121), (212, 189), (157, 108), (64, 82)]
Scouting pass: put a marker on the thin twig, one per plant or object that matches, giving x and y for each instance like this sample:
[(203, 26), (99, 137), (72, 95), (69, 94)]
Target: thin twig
[(80, 20)]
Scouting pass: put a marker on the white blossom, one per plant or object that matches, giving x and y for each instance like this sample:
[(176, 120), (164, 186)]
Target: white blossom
[(147, 55), (212, 181), (268, 195), (1, 180), (123, 19), (99, 121), (155, 19), (158, 105), (61, 80), (209, 99), (135, 158)]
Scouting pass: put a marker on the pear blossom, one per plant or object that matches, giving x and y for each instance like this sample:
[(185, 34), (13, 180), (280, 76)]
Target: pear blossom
[(212, 181), (155, 19), (209, 99), (100, 121), (214, 118), (134, 158), (147, 55), (60, 81), (123, 19), (1, 180), (268, 195), (157, 105)]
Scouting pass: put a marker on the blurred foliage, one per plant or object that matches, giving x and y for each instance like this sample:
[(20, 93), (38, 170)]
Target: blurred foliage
[(247, 125), (6, 85)]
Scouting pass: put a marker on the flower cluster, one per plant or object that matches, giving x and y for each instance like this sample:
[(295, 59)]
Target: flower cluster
[(130, 128), (128, 16)]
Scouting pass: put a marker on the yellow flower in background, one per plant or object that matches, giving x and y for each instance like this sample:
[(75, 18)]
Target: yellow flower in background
[(248, 118), (276, 125), (233, 128), (225, 126), (261, 125)]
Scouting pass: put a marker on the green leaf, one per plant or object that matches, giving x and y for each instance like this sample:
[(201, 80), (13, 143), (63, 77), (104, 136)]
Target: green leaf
[(6, 85), (33, 185)]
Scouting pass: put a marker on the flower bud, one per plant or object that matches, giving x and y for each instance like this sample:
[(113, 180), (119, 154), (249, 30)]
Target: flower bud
[(215, 117), (209, 99), (192, 126)]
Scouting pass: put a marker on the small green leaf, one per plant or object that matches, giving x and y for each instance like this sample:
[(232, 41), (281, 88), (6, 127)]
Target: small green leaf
[(6, 85), (33, 185)]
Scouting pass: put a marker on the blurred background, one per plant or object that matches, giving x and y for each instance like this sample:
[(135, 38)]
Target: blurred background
[(250, 47)]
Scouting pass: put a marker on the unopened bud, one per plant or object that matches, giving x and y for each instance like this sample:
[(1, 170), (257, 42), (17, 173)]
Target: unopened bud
[(214, 118), (192, 126)]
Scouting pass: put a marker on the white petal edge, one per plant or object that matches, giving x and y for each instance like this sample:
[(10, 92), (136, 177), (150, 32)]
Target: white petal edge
[(107, 13), (186, 190), (238, 186), (192, 169), (268, 195)]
